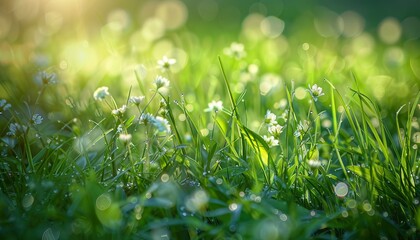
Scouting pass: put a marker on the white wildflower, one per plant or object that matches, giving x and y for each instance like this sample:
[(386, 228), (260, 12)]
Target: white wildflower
[(270, 118), (165, 63), (162, 124), (161, 82), (271, 141), (275, 130), (101, 93), (125, 137), (136, 100), (236, 50), (37, 119), (146, 118), (4, 106), (120, 111), (316, 92), (214, 106)]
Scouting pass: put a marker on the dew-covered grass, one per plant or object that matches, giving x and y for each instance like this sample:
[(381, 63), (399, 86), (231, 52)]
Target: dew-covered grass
[(146, 127)]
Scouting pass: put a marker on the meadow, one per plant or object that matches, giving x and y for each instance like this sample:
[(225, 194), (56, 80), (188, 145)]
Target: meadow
[(201, 120)]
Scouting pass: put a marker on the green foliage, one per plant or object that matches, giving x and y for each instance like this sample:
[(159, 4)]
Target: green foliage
[(236, 142)]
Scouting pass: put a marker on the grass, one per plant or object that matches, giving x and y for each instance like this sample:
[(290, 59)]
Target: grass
[(276, 158)]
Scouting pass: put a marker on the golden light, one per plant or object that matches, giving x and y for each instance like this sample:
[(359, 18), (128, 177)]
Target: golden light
[(173, 14), (251, 26)]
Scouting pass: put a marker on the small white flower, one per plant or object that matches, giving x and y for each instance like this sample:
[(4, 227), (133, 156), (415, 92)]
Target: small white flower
[(214, 106), (165, 63), (270, 118), (136, 100), (236, 50), (275, 130), (146, 118), (316, 92), (162, 124), (4, 106), (271, 141), (37, 119), (101, 93), (120, 111), (125, 137), (161, 82)]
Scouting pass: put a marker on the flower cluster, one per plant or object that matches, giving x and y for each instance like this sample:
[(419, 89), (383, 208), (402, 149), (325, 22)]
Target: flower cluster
[(4, 106), (101, 93), (16, 129), (37, 119), (274, 128), (214, 106), (160, 123), (161, 82), (136, 100), (119, 111), (165, 63), (302, 128), (316, 92)]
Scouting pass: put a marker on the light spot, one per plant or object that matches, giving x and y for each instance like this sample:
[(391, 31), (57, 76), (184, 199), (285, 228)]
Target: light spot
[(328, 23), (118, 20), (204, 132), (353, 24), (341, 189), (173, 14), (152, 29), (103, 202), (197, 201), (5, 26), (272, 26), (233, 207), (411, 26), (394, 56), (363, 44), (367, 207), (27, 201), (389, 30), (351, 203), (283, 217), (300, 93), (208, 9), (164, 178), (251, 26)]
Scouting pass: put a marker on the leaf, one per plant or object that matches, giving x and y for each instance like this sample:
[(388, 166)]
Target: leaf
[(257, 143)]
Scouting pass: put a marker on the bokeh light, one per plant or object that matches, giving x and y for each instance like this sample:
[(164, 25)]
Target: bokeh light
[(390, 30)]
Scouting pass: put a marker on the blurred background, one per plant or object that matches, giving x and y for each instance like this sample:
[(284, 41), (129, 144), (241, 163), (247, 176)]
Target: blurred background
[(100, 42)]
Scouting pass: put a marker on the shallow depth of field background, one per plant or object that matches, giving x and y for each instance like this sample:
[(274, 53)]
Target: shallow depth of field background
[(69, 173)]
